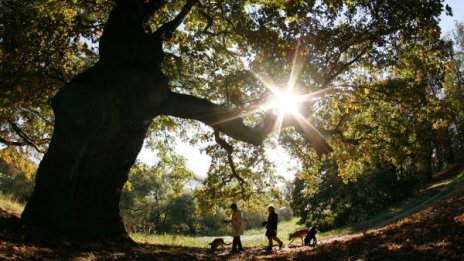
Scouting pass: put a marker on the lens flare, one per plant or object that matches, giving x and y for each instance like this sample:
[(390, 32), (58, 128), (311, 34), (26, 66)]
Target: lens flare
[(285, 102)]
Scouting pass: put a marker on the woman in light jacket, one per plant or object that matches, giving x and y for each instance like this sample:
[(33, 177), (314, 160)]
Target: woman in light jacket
[(237, 228)]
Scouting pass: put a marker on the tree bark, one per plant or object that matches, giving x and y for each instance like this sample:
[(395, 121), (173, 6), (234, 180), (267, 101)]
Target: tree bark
[(97, 136)]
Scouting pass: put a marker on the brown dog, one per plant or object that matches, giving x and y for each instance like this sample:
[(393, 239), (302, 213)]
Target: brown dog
[(299, 233), (216, 243)]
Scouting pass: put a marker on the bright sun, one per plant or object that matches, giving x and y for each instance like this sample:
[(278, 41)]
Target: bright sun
[(285, 102)]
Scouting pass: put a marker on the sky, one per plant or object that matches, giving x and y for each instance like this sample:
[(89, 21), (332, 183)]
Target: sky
[(447, 22), (285, 166)]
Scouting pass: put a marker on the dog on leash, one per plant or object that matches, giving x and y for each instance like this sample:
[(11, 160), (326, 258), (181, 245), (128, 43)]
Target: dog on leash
[(218, 242), (298, 234)]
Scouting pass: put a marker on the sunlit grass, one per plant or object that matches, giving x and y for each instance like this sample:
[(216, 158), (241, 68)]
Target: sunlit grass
[(172, 239), (285, 227), (255, 237), (10, 205), (251, 238), (190, 241)]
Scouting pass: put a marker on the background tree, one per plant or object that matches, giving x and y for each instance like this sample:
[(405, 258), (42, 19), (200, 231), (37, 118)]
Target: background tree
[(16, 180), (397, 129), (453, 94)]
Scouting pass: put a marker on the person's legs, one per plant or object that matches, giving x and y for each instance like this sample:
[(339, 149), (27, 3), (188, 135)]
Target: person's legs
[(239, 244), (234, 244), (278, 241), (270, 243)]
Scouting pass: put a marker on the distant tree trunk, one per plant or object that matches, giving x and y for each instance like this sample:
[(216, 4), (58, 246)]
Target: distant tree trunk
[(444, 146), (423, 161)]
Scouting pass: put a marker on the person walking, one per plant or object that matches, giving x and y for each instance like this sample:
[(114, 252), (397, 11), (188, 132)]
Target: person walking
[(271, 228), (237, 228)]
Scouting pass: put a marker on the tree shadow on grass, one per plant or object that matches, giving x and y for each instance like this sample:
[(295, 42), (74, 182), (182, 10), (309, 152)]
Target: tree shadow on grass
[(443, 185)]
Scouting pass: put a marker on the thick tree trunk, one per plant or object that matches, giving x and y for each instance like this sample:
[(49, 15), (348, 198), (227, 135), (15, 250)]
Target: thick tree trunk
[(98, 134)]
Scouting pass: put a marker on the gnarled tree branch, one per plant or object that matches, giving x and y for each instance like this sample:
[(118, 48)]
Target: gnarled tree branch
[(231, 123), (209, 23), (167, 29), (229, 150), (26, 138), (11, 143), (216, 116), (150, 7)]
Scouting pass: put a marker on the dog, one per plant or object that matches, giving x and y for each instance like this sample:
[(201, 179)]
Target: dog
[(310, 238), (299, 233), (216, 243)]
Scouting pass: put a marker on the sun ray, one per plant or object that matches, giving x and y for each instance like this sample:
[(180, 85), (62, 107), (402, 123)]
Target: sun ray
[(305, 123), (306, 97), (278, 123), (239, 115), (284, 102), (316, 138), (297, 66), (268, 83)]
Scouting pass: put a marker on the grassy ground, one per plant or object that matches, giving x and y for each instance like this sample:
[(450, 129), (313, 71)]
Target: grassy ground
[(427, 226), (9, 205), (255, 237), (434, 192), (251, 238)]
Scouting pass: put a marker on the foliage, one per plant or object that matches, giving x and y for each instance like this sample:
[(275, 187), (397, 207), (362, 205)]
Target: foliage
[(153, 194), (454, 95), (392, 123), (154, 200), (43, 45), (220, 187), (17, 175), (17, 186), (336, 203), (13, 160)]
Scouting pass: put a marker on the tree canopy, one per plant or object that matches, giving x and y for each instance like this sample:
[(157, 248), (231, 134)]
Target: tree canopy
[(370, 72)]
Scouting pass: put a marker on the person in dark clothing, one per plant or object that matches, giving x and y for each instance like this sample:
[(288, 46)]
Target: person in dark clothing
[(271, 228)]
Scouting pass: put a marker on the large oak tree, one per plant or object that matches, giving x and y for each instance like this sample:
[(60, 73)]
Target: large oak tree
[(158, 58)]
